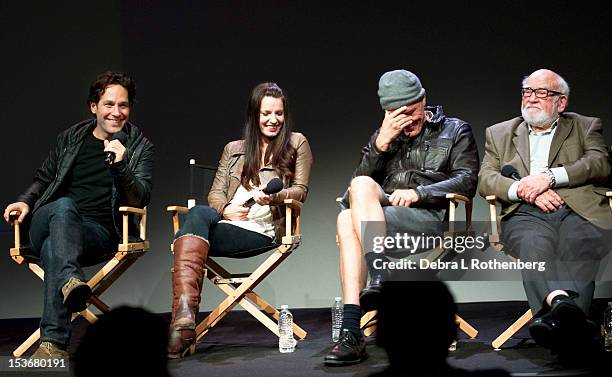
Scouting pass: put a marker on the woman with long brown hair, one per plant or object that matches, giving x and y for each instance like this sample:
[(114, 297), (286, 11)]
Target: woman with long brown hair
[(227, 227)]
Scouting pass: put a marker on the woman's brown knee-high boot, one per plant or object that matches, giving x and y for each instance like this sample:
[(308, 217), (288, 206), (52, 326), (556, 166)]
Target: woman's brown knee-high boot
[(190, 253)]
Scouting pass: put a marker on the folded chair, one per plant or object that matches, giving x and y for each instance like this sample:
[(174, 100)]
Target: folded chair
[(127, 253), (239, 287), (494, 240), (369, 319)]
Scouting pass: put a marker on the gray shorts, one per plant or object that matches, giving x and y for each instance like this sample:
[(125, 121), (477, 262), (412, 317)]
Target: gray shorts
[(402, 221)]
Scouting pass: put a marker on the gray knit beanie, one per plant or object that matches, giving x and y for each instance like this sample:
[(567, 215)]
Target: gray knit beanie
[(398, 88)]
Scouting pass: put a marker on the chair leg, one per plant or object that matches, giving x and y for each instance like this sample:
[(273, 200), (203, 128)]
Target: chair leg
[(226, 305), (513, 329), (272, 311), (435, 254), (35, 336), (98, 283), (27, 344), (368, 323), (466, 327), (237, 294), (95, 301)]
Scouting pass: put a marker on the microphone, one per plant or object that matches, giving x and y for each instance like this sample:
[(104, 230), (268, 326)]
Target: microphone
[(510, 171), (274, 186), (110, 156)]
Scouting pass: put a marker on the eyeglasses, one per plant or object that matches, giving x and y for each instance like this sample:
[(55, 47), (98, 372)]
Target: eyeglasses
[(540, 92)]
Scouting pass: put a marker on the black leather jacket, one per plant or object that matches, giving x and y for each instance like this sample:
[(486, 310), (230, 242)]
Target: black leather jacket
[(132, 177), (442, 159)]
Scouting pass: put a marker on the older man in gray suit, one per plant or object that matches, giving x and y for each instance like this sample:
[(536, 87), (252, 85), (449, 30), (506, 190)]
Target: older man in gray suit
[(548, 168)]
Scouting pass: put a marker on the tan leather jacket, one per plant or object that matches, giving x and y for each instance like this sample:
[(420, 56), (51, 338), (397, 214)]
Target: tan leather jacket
[(227, 179)]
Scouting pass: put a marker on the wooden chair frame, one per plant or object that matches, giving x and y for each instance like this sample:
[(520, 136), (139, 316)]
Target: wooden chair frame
[(239, 287), (127, 253), (495, 241), (369, 319)]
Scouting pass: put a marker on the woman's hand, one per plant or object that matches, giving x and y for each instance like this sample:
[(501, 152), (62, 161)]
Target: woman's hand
[(235, 212), (261, 198)]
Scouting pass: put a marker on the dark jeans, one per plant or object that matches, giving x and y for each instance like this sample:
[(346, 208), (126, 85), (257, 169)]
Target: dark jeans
[(571, 247), (226, 240), (64, 241)]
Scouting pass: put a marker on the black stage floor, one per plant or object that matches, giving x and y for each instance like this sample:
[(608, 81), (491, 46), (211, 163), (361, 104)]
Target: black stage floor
[(240, 346)]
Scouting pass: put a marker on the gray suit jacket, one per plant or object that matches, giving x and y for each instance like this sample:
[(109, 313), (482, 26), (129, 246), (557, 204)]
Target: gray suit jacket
[(578, 145)]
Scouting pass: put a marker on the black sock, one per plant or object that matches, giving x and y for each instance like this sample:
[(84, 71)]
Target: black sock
[(352, 318)]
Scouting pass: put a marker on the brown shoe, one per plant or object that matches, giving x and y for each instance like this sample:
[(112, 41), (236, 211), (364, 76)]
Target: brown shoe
[(190, 253), (76, 293), (49, 350)]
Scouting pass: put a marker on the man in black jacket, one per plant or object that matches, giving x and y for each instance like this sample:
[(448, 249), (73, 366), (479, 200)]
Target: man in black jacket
[(95, 166), (412, 161)]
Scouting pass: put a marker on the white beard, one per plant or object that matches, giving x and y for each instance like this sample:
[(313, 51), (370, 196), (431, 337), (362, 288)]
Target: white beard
[(539, 118)]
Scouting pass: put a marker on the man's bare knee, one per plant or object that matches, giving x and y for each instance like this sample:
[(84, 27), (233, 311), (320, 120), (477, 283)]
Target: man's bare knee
[(364, 188)]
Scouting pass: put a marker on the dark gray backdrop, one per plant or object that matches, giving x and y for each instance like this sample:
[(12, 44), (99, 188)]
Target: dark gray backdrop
[(195, 64)]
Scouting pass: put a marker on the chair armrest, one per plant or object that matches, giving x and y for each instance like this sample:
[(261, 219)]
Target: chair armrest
[(494, 238), (142, 212), (137, 211), (292, 221), (295, 204), (491, 199), (13, 215), (458, 197), (454, 200), (178, 209)]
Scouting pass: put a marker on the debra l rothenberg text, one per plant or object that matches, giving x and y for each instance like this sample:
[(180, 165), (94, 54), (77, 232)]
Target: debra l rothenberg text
[(463, 264)]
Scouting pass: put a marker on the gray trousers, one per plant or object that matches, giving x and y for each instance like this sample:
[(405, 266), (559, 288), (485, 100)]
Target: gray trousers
[(571, 246)]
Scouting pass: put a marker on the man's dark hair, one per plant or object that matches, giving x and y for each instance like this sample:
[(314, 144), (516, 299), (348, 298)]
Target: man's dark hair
[(104, 80)]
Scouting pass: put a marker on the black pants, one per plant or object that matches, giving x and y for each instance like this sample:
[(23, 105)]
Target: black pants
[(571, 247)]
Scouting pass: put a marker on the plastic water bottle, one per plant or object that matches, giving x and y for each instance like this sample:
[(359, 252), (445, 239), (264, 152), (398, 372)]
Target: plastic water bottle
[(608, 328), (337, 313), (286, 343)]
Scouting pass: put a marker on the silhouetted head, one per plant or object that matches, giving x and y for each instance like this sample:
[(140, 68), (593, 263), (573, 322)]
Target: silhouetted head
[(416, 323), (125, 340)]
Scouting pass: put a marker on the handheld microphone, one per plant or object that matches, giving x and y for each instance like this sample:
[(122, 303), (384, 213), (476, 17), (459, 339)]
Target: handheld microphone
[(510, 171), (274, 186), (110, 156)]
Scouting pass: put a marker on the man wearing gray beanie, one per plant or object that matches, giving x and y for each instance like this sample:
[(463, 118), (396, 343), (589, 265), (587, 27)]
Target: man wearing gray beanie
[(416, 157)]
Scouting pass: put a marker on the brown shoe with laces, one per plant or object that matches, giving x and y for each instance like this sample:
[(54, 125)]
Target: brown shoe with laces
[(76, 293), (49, 350)]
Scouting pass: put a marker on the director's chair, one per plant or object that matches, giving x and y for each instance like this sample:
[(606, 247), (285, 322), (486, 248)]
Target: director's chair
[(495, 241), (239, 287), (127, 253), (369, 320)]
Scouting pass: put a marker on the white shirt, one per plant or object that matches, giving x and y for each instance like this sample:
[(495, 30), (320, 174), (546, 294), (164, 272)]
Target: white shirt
[(539, 150), (259, 217)]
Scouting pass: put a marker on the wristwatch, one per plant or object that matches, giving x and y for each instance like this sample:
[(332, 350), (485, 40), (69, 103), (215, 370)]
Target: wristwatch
[(551, 175)]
